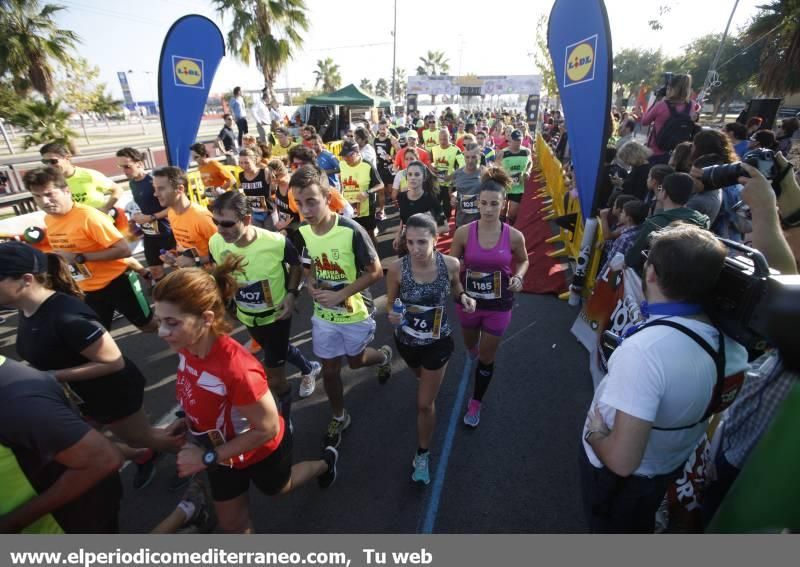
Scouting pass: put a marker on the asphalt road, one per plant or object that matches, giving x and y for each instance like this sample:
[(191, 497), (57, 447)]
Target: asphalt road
[(515, 473)]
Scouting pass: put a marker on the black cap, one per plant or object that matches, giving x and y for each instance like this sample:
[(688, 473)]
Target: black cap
[(17, 258), (348, 147), (516, 135)]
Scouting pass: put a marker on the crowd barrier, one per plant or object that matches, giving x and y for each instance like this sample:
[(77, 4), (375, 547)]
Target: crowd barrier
[(562, 202)]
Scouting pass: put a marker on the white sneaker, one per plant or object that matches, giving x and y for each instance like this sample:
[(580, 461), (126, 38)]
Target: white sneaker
[(309, 381)]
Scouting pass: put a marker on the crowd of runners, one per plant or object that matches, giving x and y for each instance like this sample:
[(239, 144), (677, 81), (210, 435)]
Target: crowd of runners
[(293, 220)]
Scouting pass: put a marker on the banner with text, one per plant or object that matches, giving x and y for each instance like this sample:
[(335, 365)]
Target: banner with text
[(192, 51), (579, 41)]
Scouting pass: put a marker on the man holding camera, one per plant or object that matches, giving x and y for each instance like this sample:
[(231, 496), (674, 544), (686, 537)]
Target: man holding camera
[(650, 410)]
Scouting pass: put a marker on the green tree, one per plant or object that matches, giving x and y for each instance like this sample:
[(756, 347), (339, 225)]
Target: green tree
[(44, 121), (634, 67), (75, 85), (105, 105), (31, 43), (381, 87), (777, 28), (9, 99), (327, 74), (435, 63), (365, 85), (268, 30), (541, 58)]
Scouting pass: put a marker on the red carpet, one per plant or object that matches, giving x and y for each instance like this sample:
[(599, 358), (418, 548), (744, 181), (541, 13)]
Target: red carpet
[(545, 274)]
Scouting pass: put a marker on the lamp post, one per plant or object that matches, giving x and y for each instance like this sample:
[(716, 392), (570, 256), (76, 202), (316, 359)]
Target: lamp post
[(394, 55), (137, 109)]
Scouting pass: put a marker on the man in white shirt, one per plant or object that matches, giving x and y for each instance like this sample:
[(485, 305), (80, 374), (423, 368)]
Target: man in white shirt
[(261, 114), (650, 410)]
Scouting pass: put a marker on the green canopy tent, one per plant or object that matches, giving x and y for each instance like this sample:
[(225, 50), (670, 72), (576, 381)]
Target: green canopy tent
[(351, 96)]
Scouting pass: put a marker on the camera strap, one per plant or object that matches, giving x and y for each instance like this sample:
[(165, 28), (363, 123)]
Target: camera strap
[(717, 356), (668, 309)]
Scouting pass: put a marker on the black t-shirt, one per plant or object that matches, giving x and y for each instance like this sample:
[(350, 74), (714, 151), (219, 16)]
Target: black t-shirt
[(425, 204), (636, 182), (36, 424), (145, 196), (228, 138), (257, 191), (383, 149)]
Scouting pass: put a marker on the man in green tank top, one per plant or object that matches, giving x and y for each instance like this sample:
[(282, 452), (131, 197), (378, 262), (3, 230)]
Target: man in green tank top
[(341, 264), (517, 162)]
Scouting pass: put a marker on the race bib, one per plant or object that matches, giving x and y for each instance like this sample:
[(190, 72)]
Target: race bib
[(347, 306), (482, 285), (210, 440), (258, 204), (255, 296), (150, 228), (79, 272), (423, 322), (469, 204)]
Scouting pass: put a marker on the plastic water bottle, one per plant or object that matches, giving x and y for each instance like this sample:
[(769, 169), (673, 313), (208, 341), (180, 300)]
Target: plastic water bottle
[(400, 309)]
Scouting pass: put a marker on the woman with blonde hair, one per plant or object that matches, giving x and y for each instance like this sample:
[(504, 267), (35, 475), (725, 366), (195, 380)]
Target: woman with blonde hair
[(677, 100), (634, 156)]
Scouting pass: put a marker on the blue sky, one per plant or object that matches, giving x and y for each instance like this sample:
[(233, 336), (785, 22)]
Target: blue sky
[(478, 36)]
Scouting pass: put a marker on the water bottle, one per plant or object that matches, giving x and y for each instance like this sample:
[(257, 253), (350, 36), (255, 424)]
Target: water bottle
[(400, 309)]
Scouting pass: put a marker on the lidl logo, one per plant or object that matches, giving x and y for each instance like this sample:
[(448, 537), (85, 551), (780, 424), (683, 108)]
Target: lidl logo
[(188, 72), (579, 61)]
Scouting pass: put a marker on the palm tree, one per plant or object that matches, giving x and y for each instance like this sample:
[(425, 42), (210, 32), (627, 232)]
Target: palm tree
[(44, 121), (266, 29), (31, 42), (381, 87), (779, 21), (365, 85), (434, 64), (327, 73), (400, 83)]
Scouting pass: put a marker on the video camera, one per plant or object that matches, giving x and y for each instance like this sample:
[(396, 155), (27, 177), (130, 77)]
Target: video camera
[(725, 175), (662, 92)]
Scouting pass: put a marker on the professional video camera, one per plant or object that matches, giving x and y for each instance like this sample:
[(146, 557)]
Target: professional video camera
[(718, 176), (662, 92)]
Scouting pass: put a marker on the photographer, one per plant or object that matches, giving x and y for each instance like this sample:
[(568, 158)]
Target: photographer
[(652, 407), (773, 375), (674, 101)]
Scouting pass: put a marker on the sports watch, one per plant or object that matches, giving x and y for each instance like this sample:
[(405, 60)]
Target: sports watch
[(210, 459), (80, 259)]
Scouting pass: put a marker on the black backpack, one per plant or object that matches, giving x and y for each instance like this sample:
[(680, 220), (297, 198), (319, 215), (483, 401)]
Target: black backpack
[(678, 128)]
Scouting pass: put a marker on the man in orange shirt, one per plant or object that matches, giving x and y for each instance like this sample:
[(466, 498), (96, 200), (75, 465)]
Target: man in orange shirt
[(192, 225), (216, 179), (94, 249)]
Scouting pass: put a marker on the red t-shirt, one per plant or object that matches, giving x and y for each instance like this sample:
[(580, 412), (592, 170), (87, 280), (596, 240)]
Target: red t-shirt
[(400, 159), (210, 388)]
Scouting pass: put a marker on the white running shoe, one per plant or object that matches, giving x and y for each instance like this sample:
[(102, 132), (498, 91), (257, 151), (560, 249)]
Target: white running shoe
[(309, 381)]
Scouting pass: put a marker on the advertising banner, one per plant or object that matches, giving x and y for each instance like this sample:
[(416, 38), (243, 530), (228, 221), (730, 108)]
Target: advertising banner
[(192, 51)]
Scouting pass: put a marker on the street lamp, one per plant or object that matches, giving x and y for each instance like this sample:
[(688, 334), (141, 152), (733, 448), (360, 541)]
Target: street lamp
[(136, 107)]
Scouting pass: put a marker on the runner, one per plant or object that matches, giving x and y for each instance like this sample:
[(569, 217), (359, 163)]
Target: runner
[(283, 143), (517, 162), (430, 136), (342, 265), (191, 224), (236, 431), (60, 333), (266, 295), (466, 182), (152, 217), (484, 140), (422, 196), (88, 187), (327, 162), (489, 249), (254, 181), (384, 148), (94, 249), (400, 183), (360, 182), (400, 161), (216, 179), (422, 281), (446, 159)]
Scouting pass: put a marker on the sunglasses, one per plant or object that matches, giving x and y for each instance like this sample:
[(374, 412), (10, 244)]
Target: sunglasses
[(128, 166), (50, 161), (224, 223)]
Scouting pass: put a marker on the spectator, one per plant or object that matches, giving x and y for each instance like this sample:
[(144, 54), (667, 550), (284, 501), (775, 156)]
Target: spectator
[(239, 112), (672, 198), (680, 158), (714, 142), (650, 410), (609, 218), (610, 169), (677, 97), (737, 134), (226, 141), (626, 134), (261, 114), (655, 178), (754, 125), (631, 218), (764, 139), (705, 200), (634, 156), (785, 134)]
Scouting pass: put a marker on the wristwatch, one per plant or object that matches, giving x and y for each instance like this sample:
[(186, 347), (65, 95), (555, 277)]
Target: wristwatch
[(294, 291), (590, 432), (197, 261), (153, 218), (210, 459), (80, 259)]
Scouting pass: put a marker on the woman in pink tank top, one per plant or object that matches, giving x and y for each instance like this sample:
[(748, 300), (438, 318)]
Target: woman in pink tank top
[(494, 261)]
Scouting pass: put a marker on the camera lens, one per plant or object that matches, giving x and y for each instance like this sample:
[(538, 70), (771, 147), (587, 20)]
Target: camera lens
[(719, 176), (763, 160)]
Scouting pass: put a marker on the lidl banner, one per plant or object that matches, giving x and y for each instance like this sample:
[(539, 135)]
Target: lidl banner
[(579, 41), (190, 56)]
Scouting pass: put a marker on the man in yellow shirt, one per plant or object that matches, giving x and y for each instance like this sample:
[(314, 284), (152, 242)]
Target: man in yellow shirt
[(283, 143), (430, 136), (88, 186), (445, 160)]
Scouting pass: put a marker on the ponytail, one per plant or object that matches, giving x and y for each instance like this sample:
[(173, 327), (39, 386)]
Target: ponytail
[(58, 277), (495, 178)]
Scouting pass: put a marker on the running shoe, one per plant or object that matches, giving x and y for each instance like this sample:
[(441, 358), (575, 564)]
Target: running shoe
[(385, 369), (335, 429), (309, 381), (145, 472), (203, 520), (421, 474), (380, 215), (473, 415), (327, 478)]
